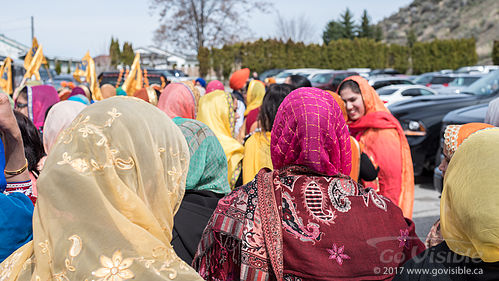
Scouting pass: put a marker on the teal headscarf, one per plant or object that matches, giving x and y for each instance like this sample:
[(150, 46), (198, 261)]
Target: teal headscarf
[(120, 92), (208, 167)]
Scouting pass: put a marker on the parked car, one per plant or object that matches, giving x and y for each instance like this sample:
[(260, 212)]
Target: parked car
[(281, 77), (421, 117), (459, 84), (380, 82), (47, 75), (175, 75), (395, 93), (270, 73), (455, 80), (384, 72), (364, 72), (330, 80), (477, 68), (469, 114)]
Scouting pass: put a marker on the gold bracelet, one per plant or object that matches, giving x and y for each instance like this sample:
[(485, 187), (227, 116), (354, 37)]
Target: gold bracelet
[(17, 172)]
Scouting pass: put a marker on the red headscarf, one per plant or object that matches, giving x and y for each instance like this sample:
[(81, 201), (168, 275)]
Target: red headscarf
[(384, 141), (309, 130), (238, 79), (178, 100)]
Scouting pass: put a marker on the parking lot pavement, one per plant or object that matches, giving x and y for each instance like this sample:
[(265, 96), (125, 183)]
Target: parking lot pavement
[(426, 206)]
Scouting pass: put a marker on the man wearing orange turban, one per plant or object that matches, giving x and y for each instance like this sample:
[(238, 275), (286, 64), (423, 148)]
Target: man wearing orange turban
[(237, 82)]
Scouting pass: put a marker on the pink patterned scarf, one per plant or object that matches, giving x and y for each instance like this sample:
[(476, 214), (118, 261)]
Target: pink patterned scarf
[(309, 130)]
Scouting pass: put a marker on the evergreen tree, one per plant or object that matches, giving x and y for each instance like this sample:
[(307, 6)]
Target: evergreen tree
[(114, 52), (346, 20), (411, 38), (365, 28), (69, 67), (378, 33), (332, 32), (58, 69), (127, 55), (495, 52)]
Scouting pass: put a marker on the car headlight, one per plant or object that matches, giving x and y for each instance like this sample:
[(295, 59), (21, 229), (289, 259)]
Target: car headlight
[(414, 128)]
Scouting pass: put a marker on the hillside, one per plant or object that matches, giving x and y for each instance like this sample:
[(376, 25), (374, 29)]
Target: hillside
[(445, 19)]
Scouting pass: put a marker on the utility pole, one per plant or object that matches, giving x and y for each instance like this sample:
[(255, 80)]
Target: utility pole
[(32, 28)]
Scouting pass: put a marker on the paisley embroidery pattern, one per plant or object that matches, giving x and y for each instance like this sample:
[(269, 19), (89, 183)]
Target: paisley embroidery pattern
[(294, 224), (316, 203), (338, 193)]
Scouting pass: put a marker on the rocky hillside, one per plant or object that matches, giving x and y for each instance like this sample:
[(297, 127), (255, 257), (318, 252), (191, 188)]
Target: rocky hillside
[(445, 19)]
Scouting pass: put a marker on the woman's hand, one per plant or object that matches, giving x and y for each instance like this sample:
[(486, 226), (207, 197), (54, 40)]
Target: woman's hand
[(13, 142)]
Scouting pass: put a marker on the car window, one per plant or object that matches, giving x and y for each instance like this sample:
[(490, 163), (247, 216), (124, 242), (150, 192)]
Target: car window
[(321, 78), (486, 85), (411, 92), (385, 92), (284, 75), (425, 92), (381, 84), (423, 79), (463, 81), (441, 79)]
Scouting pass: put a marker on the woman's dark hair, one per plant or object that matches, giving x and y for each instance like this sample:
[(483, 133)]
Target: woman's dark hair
[(299, 81), (32, 140), (271, 101), (350, 84)]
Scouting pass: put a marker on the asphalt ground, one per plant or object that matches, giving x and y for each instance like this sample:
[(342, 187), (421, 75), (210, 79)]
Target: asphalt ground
[(426, 205)]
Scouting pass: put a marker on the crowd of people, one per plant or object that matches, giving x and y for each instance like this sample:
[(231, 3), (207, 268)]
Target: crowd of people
[(264, 181)]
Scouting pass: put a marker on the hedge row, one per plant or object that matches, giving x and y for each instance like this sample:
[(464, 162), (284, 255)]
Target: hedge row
[(340, 54)]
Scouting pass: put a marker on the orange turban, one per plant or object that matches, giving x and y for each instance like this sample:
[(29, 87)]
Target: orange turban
[(238, 79)]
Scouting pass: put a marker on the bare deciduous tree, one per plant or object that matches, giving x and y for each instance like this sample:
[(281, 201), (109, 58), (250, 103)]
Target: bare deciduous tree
[(298, 29), (189, 25)]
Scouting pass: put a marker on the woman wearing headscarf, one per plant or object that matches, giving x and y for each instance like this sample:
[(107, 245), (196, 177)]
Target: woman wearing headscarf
[(80, 98), (179, 100), (206, 184), (257, 146), (254, 98), (454, 136), (217, 110), (383, 140), (214, 85), (468, 213), (362, 167), (125, 163), (59, 118), (34, 102), (305, 220)]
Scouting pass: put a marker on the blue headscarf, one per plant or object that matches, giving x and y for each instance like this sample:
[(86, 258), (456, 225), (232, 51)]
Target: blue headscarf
[(201, 81), (80, 98)]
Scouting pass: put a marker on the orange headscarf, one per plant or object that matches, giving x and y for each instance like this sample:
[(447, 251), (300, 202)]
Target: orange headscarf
[(455, 135), (179, 100), (354, 144), (384, 142), (238, 79), (107, 91)]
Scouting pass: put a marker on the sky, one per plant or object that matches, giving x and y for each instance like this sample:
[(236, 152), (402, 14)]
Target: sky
[(67, 29)]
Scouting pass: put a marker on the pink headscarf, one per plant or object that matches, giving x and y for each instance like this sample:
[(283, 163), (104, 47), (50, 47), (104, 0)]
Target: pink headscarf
[(214, 85), (40, 98), (177, 100), (309, 130)]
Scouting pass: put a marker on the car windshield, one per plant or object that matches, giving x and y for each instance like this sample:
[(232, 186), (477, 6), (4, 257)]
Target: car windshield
[(386, 92), (321, 78), (485, 85), (463, 81), (284, 74), (423, 79)]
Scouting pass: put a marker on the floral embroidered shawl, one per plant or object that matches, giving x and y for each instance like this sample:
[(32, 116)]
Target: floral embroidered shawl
[(107, 198), (297, 223)]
